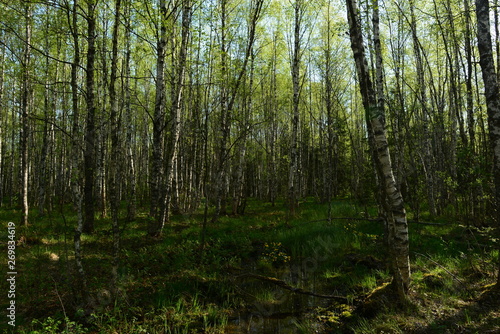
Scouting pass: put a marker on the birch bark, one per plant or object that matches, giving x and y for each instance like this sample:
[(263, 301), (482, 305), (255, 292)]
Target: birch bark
[(395, 211), (25, 108)]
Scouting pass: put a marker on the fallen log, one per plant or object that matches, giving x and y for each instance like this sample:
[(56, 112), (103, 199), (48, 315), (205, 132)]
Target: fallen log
[(286, 286)]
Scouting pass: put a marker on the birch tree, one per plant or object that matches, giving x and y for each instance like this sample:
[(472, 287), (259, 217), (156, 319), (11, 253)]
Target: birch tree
[(25, 109), (375, 117), (228, 98), (175, 115)]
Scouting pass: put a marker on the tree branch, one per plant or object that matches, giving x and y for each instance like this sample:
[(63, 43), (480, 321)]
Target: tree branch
[(286, 286)]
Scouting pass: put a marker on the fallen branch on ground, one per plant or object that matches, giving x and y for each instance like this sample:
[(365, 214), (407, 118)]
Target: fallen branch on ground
[(286, 286), (373, 220), (469, 292)]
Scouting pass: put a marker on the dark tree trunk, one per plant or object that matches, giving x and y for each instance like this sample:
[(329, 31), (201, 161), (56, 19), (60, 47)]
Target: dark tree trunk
[(116, 156), (76, 150), (484, 44), (89, 153), (158, 122)]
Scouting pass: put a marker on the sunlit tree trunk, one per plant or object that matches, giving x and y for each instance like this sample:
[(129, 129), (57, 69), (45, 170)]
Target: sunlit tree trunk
[(25, 109), (395, 211), (469, 74)]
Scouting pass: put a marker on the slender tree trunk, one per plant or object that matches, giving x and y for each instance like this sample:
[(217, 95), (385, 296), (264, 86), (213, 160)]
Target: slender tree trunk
[(396, 214), (239, 178), (497, 37), (273, 128), (158, 121), (25, 109), (76, 152), (132, 180), (293, 183), (492, 96), (427, 160), (43, 178), (228, 101), (225, 120), (116, 156), (469, 74), (331, 182), (12, 165), (176, 116), (101, 135), (474, 201), (2, 112), (89, 153)]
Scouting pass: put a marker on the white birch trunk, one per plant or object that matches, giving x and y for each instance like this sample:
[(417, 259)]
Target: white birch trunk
[(395, 211), (25, 106)]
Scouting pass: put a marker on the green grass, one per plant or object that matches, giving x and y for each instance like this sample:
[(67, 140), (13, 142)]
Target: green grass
[(174, 284)]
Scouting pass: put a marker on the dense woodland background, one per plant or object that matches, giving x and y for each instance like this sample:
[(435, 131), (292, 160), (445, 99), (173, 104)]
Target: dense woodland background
[(204, 94), (183, 106)]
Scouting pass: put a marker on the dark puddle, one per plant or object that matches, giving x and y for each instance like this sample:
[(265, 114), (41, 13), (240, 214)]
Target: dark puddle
[(273, 310)]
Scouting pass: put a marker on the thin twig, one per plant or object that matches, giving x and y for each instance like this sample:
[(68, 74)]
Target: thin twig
[(449, 272), (62, 304), (426, 223)]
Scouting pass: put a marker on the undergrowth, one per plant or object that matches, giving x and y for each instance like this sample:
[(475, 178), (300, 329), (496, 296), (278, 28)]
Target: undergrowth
[(176, 284)]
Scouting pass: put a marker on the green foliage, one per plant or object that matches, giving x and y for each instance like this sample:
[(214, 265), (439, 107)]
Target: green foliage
[(275, 253), (55, 326)]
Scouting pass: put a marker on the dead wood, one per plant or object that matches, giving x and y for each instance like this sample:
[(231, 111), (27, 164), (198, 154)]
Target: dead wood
[(286, 286)]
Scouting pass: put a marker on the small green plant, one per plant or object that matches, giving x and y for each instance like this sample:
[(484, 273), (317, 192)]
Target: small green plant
[(274, 252), (55, 326)]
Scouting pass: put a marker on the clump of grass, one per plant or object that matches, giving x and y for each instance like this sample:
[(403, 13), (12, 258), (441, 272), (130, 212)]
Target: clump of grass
[(187, 314)]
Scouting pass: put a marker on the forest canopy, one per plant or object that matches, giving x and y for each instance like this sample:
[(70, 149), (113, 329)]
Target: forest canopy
[(204, 98)]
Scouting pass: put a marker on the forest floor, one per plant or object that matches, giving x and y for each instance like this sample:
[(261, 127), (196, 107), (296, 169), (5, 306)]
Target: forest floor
[(256, 273)]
